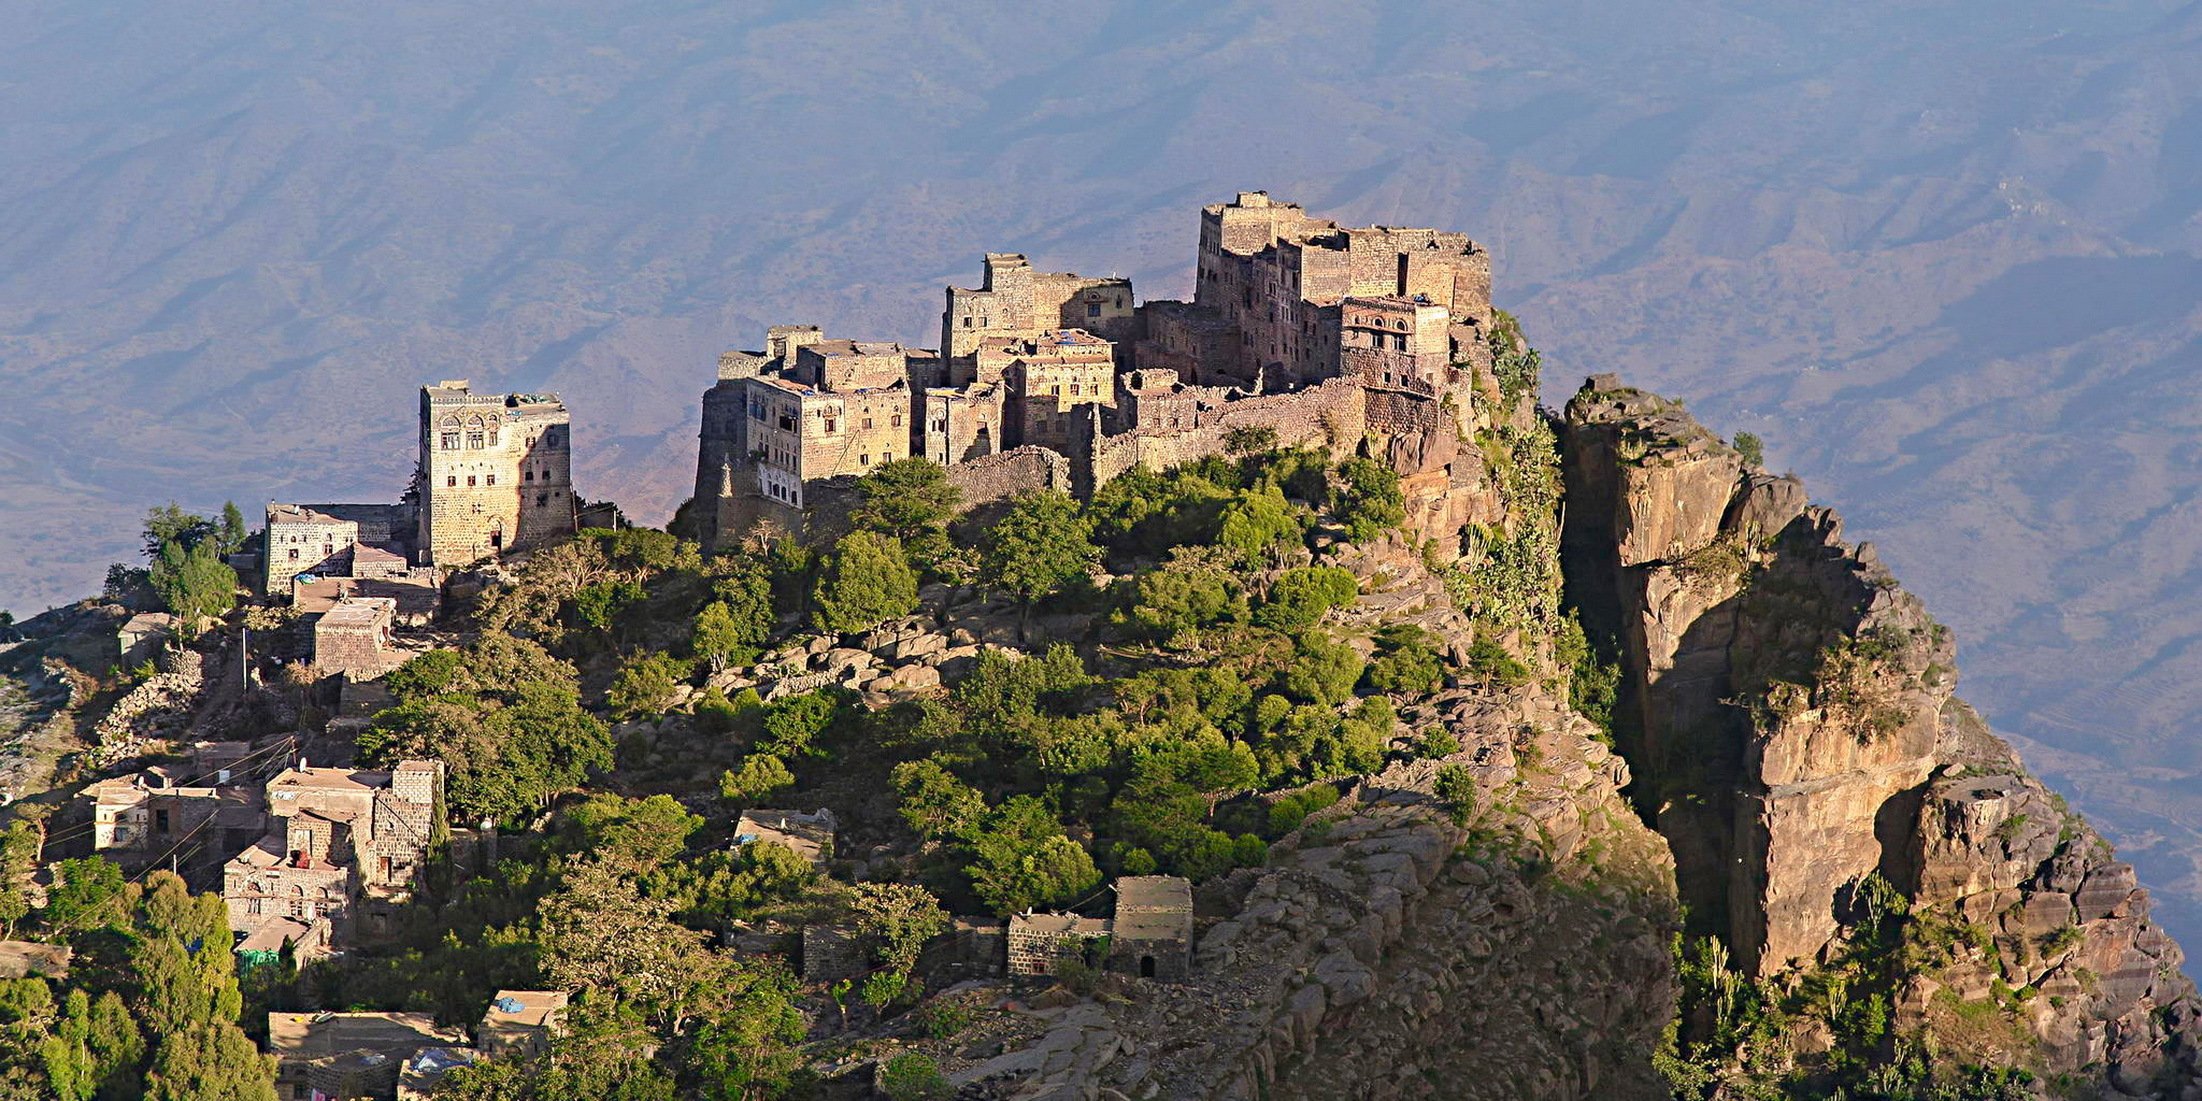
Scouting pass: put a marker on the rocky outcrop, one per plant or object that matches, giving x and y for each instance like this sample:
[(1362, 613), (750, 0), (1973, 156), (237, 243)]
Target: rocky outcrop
[(1389, 950), (1789, 709)]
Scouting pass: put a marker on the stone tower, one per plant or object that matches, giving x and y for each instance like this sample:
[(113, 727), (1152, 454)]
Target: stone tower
[(496, 473)]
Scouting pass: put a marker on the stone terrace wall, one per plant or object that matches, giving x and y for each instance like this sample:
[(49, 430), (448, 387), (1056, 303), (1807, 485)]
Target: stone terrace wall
[(1332, 416)]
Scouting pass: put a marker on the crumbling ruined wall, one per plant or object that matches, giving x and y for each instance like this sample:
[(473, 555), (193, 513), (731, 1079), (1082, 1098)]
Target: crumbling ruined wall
[(1010, 474), (1331, 416)]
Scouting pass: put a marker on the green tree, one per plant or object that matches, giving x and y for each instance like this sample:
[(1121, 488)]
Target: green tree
[(911, 501), (1259, 525), (760, 777), (193, 582), (169, 523), (1369, 501), (600, 933), (867, 581), (1322, 671), (900, 918), (233, 533), (210, 1061), (745, 1046), (717, 638), (1751, 448), (1043, 545), (18, 862), (646, 685), (1022, 859), (1174, 604), (746, 595), (598, 606), (503, 715), (87, 894), (934, 802), (1407, 661), (1301, 597)]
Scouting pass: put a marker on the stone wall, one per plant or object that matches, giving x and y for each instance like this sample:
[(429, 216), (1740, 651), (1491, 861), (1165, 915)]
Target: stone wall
[(1010, 474), (1331, 416)]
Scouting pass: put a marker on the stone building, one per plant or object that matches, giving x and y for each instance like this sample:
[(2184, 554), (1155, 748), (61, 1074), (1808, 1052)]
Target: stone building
[(803, 411), (1048, 378), (1280, 277), (495, 473), (354, 637), (521, 1021), (1351, 340), (147, 810), (1015, 302), (302, 541), (349, 1055), (143, 636), (1150, 934), (808, 834), (1039, 943), (347, 847)]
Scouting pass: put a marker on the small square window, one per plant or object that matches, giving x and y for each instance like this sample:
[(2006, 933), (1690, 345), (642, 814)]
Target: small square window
[(492, 479), (1093, 309), (451, 480), (470, 481)]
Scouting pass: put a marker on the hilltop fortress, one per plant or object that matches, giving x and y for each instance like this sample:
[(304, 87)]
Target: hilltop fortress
[(1374, 340)]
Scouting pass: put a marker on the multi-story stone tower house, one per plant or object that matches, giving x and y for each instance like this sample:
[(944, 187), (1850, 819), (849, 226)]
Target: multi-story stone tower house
[(1018, 303), (347, 846), (495, 473), (303, 540), (1280, 277)]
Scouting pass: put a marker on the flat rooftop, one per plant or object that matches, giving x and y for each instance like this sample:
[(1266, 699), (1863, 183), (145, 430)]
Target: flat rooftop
[(1059, 925), (360, 611), (329, 779), (524, 1008), (313, 1035), (854, 348), (300, 514)]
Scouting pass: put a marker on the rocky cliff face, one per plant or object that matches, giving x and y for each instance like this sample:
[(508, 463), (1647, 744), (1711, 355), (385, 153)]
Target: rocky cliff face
[(1401, 946), (1790, 712)]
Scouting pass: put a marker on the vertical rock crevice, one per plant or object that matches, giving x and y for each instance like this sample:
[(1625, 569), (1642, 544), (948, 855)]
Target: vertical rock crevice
[(1788, 713)]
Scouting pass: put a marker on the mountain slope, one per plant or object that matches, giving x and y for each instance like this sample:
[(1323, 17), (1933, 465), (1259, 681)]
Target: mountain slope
[(1944, 260)]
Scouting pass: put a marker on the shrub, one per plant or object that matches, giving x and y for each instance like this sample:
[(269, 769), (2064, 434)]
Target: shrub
[(866, 582), (1751, 448), (1456, 788), (1301, 597), (1407, 662), (913, 1077), (1369, 501), (645, 685)]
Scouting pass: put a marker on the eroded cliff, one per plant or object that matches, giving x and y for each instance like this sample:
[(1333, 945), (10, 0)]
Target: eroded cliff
[(1837, 816)]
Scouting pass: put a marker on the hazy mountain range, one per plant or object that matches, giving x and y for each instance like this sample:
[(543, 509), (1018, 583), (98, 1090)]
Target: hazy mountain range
[(1945, 258)]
